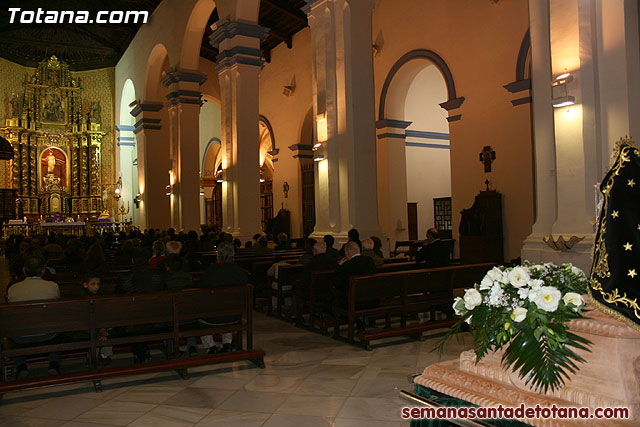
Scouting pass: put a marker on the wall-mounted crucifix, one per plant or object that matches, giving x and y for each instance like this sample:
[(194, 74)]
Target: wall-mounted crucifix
[(487, 155)]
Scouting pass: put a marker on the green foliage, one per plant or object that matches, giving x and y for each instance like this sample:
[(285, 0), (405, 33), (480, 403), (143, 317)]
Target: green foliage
[(525, 309)]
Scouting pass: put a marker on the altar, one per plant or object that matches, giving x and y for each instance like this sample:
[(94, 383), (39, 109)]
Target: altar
[(77, 228), (57, 137)]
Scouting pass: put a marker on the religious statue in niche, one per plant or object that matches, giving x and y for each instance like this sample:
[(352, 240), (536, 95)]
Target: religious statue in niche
[(53, 165), (51, 162)]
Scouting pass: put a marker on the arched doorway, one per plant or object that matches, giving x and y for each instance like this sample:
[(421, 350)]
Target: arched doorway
[(307, 174), (128, 155), (210, 123), (267, 146), (419, 91)]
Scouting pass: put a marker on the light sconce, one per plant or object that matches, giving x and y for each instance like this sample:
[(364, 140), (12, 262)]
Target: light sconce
[(321, 128), (117, 195), (318, 153), (561, 81), (168, 190), (219, 176), (137, 200), (262, 179)]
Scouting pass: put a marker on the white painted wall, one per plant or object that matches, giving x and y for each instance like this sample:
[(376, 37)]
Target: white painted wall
[(128, 154), (210, 127), (428, 169)]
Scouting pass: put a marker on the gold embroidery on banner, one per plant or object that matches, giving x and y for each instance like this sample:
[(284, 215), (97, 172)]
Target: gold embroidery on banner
[(601, 264)]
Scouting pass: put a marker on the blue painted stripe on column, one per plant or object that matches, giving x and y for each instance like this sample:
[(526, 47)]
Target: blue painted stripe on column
[(127, 138), (424, 145), (427, 134), (124, 128), (126, 144), (391, 135)]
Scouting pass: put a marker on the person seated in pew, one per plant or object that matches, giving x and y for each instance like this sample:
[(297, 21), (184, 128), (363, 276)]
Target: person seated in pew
[(353, 264), (353, 235), (174, 277), (367, 250), (173, 247), (261, 247), (34, 288), (331, 251), (91, 286), (377, 246), (308, 251), (225, 272), (283, 242), (158, 254), (434, 253)]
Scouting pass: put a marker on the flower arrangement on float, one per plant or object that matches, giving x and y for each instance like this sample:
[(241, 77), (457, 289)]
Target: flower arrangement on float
[(525, 309)]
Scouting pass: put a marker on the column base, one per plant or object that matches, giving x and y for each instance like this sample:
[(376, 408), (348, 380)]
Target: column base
[(534, 249)]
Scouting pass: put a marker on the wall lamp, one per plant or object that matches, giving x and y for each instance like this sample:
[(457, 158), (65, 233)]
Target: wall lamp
[(318, 153), (137, 200), (561, 81)]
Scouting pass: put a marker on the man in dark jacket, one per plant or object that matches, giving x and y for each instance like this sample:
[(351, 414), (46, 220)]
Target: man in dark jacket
[(331, 251), (223, 273), (435, 253), (353, 264)]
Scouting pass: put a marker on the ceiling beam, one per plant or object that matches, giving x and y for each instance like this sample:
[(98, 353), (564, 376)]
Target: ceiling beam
[(288, 12)]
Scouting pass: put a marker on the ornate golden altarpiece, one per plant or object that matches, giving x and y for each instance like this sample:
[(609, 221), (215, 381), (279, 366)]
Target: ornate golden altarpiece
[(57, 140)]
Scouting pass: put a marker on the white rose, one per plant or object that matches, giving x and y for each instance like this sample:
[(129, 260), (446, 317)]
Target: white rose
[(548, 298), (518, 277), (472, 299), (486, 283), (494, 274), (457, 306), (519, 314), (573, 298)]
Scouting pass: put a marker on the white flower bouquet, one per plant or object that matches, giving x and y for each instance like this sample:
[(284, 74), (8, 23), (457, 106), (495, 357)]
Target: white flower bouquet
[(526, 308)]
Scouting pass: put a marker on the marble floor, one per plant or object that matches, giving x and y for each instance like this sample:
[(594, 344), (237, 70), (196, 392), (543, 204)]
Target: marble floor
[(309, 380)]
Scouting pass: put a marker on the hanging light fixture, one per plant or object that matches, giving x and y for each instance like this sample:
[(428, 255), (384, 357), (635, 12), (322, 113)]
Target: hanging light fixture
[(561, 81)]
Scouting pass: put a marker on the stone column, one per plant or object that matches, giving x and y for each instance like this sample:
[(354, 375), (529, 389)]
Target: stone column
[(543, 133), (152, 166), (239, 65), (597, 42), (342, 87), (184, 150), (392, 179)]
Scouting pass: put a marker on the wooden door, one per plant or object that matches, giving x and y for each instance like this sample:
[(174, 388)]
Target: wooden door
[(412, 217)]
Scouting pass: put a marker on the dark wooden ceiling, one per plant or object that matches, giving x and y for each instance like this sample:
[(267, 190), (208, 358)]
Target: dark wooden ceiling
[(91, 46)]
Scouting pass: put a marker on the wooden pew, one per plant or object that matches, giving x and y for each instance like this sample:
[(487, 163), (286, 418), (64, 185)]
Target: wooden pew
[(289, 277), (400, 293), (149, 317)]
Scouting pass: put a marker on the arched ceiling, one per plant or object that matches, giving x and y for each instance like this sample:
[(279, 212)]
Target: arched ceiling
[(91, 46)]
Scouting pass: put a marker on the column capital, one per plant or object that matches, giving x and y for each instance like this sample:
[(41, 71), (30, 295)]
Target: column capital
[(183, 96), (177, 76), (142, 113), (230, 29)]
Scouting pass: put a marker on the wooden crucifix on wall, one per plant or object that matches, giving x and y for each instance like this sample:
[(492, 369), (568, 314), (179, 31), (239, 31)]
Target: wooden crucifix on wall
[(487, 156)]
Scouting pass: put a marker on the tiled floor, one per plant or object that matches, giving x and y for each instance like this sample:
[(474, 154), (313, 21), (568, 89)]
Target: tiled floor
[(309, 380)]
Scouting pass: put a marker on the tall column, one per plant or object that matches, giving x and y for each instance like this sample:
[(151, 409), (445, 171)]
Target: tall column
[(392, 179), (343, 91), (543, 132), (184, 101), (597, 42), (152, 166), (239, 64)]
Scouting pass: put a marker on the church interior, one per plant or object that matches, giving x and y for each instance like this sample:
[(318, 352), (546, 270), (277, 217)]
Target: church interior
[(492, 121)]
